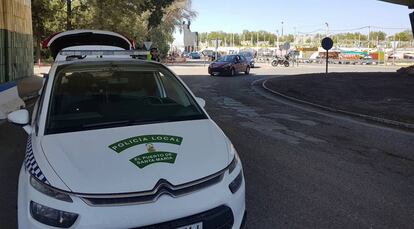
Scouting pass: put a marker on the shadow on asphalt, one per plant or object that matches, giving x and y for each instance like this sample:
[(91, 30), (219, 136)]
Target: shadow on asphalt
[(378, 94)]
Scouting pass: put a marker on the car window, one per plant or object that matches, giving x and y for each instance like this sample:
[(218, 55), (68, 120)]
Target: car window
[(102, 96), (246, 54), (228, 58)]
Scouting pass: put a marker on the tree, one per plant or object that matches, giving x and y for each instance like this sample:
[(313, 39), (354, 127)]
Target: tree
[(380, 36), (68, 14), (403, 36), (161, 35), (47, 18), (140, 20)]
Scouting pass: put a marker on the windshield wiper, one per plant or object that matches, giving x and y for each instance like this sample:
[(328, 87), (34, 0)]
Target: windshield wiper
[(142, 121), (106, 124), (148, 121)]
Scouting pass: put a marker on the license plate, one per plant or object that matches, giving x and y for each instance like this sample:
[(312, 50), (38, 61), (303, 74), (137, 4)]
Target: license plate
[(193, 226)]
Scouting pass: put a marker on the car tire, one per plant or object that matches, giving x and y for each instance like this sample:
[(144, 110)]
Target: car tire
[(233, 72), (247, 72)]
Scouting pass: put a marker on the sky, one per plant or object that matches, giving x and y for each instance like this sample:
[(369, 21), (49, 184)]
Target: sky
[(305, 16)]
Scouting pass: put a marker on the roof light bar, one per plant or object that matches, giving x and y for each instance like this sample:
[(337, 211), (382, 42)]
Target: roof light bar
[(103, 53)]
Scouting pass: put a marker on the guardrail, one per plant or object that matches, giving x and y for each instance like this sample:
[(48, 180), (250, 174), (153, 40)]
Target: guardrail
[(388, 62), (359, 62)]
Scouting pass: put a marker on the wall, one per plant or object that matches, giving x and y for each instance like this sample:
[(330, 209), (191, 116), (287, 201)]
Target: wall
[(16, 40), (190, 38)]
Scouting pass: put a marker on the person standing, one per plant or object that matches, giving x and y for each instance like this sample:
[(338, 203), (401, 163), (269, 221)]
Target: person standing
[(153, 55)]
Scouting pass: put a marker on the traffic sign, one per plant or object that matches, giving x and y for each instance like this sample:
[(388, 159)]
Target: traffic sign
[(327, 43), (148, 44)]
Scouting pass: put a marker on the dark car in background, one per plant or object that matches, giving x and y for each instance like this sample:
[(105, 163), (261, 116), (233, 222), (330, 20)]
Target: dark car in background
[(229, 65), (211, 55), (249, 57)]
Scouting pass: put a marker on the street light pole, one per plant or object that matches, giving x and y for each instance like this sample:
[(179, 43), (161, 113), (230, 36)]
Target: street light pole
[(277, 41), (294, 35), (327, 29), (369, 36)]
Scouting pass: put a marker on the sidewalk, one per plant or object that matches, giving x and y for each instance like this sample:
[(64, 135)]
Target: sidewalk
[(387, 96)]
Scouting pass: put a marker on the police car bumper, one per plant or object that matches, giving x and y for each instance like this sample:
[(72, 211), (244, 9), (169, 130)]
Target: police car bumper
[(219, 205)]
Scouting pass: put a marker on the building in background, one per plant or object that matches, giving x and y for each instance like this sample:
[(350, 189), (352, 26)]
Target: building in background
[(190, 38), (16, 40)]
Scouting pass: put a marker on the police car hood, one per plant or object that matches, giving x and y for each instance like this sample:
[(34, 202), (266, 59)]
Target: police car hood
[(135, 158)]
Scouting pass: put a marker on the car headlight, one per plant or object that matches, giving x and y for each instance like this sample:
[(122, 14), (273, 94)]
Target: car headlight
[(51, 216), (235, 161), (235, 185), (45, 189)]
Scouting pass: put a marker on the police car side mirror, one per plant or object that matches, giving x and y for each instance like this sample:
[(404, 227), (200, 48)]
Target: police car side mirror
[(201, 101), (20, 118)]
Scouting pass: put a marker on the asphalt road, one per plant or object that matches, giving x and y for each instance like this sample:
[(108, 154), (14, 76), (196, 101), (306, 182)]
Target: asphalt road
[(304, 168)]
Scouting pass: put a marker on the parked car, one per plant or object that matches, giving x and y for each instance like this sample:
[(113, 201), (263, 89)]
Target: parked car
[(185, 55), (119, 142), (194, 55), (211, 55), (229, 65), (249, 57)]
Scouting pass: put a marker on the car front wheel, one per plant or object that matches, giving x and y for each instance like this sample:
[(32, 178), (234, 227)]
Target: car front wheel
[(232, 72), (247, 72)]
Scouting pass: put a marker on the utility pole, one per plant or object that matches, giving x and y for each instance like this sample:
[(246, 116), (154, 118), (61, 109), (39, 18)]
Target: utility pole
[(327, 29), (294, 35), (369, 36), (393, 51), (282, 28)]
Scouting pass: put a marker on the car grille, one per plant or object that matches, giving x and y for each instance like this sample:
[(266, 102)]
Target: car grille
[(163, 187), (217, 218)]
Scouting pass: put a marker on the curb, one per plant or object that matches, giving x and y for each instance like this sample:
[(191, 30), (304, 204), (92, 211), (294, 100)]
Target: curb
[(367, 117)]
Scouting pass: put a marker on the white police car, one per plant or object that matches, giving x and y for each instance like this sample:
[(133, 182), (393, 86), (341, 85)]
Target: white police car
[(123, 143)]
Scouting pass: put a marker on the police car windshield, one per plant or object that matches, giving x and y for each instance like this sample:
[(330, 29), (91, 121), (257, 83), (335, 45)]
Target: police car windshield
[(103, 96)]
